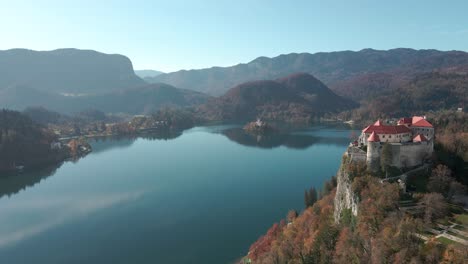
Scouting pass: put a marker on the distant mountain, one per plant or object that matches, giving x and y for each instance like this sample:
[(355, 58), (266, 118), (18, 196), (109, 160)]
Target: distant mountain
[(432, 91), (145, 99), (298, 97), (444, 89), (147, 73), (138, 100), (66, 71), (365, 87), (333, 68)]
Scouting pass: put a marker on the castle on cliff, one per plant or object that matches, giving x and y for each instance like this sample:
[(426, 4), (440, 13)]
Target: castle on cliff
[(411, 141)]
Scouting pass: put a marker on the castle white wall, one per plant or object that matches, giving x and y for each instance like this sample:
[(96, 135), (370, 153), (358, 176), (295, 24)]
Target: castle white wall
[(428, 132), (390, 138), (411, 154), (395, 138)]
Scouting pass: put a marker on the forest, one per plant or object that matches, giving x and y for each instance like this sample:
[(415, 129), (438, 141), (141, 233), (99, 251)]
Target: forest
[(25, 143), (382, 232)]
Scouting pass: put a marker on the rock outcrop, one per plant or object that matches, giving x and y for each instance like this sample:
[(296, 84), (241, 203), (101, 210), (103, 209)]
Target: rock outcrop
[(345, 199)]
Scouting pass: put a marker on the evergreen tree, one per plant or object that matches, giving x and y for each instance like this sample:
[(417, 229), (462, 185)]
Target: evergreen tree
[(310, 197)]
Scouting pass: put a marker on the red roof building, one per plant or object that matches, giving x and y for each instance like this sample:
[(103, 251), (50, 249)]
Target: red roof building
[(421, 123), (373, 137), (416, 121), (386, 129), (419, 138), (405, 121)]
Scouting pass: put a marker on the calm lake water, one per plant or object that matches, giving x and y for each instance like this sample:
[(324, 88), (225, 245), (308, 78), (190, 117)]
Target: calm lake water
[(201, 197)]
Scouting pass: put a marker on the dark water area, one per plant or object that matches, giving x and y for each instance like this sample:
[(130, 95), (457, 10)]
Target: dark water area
[(202, 196)]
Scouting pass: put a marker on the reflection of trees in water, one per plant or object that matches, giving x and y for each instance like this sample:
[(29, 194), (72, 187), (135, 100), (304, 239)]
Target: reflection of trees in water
[(162, 135), (101, 144), (12, 184), (290, 140)]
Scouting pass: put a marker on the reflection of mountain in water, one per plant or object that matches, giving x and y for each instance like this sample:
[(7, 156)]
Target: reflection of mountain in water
[(13, 184), (290, 140), (102, 144)]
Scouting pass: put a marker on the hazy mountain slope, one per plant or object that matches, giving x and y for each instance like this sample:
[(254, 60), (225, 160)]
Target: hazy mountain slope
[(67, 71), (142, 99), (145, 99), (330, 67), (147, 73), (298, 97)]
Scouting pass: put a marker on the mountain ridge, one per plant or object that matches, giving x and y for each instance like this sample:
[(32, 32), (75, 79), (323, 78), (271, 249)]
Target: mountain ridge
[(68, 70), (329, 67)]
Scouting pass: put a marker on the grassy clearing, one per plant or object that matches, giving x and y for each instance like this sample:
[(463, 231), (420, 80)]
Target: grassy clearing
[(446, 241), (462, 218), (457, 235), (460, 227)]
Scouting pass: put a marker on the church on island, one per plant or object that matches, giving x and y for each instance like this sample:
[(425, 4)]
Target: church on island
[(411, 141)]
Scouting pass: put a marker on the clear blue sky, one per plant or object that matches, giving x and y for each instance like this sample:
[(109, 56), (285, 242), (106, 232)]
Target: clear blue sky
[(172, 35)]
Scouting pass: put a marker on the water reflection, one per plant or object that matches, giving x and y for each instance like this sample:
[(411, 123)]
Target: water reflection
[(102, 144), (283, 138), (59, 210), (160, 200), (12, 184)]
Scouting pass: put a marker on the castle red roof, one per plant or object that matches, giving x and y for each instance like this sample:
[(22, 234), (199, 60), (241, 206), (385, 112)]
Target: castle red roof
[(378, 123), (405, 121), (421, 123), (386, 129), (373, 137), (417, 121), (419, 138)]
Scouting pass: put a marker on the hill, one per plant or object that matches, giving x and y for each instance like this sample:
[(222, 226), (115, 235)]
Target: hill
[(332, 68), (137, 100), (25, 143), (298, 97), (147, 73), (66, 71), (443, 89)]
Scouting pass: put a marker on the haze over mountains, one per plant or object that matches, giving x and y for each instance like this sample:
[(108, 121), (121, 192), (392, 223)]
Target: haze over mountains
[(67, 71), (335, 69), (147, 73), (71, 80), (138, 100)]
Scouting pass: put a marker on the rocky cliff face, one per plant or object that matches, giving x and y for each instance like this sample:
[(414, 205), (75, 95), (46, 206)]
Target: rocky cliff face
[(345, 199)]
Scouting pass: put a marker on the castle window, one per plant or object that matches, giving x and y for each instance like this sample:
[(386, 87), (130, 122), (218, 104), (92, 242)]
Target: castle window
[(383, 136), (390, 136)]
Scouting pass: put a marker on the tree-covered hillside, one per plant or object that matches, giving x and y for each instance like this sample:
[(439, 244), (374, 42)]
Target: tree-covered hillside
[(25, 143), (389, 226)]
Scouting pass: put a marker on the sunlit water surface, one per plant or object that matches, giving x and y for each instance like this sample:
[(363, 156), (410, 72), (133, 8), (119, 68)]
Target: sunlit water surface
[(202, 197)]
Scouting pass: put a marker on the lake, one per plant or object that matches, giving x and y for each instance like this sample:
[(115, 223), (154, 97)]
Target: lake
[(202, 196)]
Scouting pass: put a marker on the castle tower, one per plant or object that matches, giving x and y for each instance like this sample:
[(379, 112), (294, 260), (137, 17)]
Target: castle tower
[(373, 152)]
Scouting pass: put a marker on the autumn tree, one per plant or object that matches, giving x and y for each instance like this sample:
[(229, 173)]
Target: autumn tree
[(292, 214), (435, 207), (441, 181)]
